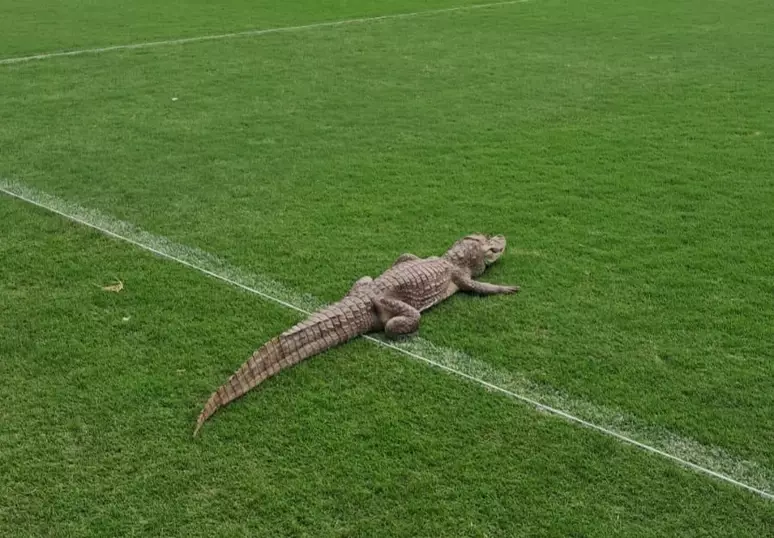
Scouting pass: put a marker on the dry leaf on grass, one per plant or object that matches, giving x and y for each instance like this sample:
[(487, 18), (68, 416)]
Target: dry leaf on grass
[(114, 287)]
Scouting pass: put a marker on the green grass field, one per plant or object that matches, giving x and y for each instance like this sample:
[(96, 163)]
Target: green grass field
[(623, 147)]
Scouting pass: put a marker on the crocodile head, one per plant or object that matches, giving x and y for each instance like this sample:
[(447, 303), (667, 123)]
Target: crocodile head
[(494, 247), (476, 252)]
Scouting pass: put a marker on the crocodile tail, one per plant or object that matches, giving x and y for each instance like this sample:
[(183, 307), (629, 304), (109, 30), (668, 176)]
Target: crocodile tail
[(323, 330)]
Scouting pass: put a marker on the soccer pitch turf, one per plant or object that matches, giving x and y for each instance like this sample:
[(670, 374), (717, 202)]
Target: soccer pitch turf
[(623, 148)]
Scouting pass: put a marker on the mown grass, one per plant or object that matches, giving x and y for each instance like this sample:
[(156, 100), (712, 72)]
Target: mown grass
[(622, 151), (100, 392), (29, 27), (624, 148)]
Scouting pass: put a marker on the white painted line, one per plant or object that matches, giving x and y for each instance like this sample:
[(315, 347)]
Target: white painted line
[(257, 32), (197, 260)]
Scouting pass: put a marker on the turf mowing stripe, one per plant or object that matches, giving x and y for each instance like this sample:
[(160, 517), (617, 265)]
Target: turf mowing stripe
[(256, 32), (711, 461)]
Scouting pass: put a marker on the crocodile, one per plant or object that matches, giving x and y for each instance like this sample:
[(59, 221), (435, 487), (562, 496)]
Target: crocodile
[(392, 303)]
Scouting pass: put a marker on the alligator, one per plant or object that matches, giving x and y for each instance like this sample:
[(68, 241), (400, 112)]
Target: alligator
[(392, 303)]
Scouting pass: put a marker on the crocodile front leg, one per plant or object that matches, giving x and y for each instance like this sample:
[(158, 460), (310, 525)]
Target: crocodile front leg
[(405, 258), (465, 283), (399, 318), (359, 284)]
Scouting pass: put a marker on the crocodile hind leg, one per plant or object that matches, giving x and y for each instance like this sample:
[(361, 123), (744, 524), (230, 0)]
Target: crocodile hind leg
[(399, 318)]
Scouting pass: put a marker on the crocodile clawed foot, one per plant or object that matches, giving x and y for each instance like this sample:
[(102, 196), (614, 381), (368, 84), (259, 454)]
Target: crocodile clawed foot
[(398, 338)]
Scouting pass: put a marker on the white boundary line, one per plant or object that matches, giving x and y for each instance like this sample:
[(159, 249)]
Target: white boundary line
[(257, 32), (558, 412)]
